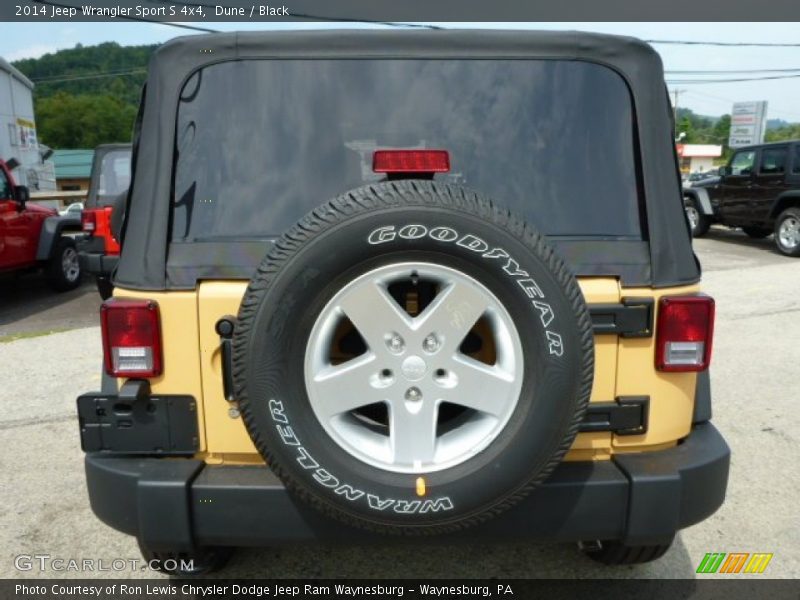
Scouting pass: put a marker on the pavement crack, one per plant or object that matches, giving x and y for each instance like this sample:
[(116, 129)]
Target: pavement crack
[(17, 423), (764, 314)]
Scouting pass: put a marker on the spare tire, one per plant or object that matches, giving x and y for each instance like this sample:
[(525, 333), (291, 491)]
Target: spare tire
[(412, 358)]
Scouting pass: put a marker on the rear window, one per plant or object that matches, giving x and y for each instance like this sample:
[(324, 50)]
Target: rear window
[(115, 175), (261, 142)]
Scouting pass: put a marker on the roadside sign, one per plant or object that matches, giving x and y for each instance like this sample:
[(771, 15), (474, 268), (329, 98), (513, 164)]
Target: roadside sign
[(748, 123)]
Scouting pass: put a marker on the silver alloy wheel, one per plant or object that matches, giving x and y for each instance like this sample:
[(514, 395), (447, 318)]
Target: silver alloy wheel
[(412, 365), (693, 215), (70, 265), (789, 233)]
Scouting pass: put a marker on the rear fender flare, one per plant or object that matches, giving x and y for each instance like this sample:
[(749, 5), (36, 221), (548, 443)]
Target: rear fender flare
[(784, 201), (52, 229), (701, 196)]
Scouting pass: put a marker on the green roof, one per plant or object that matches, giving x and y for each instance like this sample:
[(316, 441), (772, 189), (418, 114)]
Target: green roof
[(73, 164)]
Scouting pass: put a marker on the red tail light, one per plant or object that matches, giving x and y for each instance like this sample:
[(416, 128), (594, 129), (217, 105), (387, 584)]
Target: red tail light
[(684, 333), (411, 161), (131, 338), (88, 220)]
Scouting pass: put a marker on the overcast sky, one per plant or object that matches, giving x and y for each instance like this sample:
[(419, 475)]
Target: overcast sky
[(24, 40)]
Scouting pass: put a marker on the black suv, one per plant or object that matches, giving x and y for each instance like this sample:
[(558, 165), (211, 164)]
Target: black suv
[(758, 190)]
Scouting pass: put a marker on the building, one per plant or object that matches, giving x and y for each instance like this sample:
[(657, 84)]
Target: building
[(73, 169), (695, 158), (18, 138)]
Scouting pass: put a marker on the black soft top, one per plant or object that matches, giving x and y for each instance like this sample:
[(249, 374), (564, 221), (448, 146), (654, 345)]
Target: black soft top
[(663, 258)]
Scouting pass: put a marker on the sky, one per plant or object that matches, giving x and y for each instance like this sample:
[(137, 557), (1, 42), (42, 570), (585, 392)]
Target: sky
[(25, 40)]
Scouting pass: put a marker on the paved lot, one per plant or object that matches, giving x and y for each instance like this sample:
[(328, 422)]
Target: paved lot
[(29, 307), (43, 507)]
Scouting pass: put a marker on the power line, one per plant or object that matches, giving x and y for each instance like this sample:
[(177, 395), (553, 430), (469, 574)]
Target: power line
[(731, 101), (61, 79), (725, 71), (734, 80), (731, 44)]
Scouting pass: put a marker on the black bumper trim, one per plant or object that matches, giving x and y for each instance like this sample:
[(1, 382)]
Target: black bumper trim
[(636, 497), (101, 265)]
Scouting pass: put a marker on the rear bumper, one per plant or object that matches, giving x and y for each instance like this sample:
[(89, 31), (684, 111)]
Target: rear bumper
[(638, 498), (101, 265)]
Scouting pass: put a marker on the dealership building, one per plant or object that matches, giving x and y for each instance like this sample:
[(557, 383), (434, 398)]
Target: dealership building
[(697, 157)]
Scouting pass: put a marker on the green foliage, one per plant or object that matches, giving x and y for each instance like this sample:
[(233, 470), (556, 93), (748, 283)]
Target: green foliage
[(75, 109), (789, 132), (83, 120), (703, 130)]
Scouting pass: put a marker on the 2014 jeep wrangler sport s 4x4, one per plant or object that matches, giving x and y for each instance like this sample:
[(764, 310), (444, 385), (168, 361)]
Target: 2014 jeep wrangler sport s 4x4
[(404, 283)]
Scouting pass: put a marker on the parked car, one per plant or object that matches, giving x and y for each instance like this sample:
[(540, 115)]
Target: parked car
[(73, 210), (34, 237), (397, 311), (108, 189), (758, 190), (701, 176)]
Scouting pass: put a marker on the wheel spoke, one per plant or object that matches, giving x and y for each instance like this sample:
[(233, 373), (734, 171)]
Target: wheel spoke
[(412, 365), (452, 314), (412, 433), (374, 313), (485, 388), (348, 386)]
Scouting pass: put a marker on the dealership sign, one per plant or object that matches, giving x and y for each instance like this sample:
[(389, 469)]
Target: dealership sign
[(748, 123)]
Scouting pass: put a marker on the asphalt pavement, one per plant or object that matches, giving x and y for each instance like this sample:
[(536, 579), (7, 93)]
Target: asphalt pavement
[(44, 508)]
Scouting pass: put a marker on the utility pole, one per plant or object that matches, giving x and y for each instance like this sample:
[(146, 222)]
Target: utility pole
[(676, 93)]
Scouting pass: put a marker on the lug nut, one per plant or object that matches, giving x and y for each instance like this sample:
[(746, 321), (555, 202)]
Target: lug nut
[(395, 343), (431, 343), (413, 394)]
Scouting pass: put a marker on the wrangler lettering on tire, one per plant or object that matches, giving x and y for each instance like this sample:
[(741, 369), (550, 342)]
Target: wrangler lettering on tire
[(412, 358)]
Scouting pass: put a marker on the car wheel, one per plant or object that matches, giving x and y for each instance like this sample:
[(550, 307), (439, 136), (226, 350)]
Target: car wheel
[(186, 564), (698, 222), (757, 233), (411, 358), (64, 269), (787, 232), (617, 553)]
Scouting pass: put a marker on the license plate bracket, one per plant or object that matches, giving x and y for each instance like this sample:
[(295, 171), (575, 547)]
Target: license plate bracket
[(154, 425)]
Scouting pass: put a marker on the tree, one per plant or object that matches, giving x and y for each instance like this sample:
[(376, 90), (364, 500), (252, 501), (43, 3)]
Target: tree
[(83, 121), (685, 126), (85, 96), (780, 134)]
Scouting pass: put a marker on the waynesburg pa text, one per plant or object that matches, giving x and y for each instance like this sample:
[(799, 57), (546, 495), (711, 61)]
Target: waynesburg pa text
[(202, 590)]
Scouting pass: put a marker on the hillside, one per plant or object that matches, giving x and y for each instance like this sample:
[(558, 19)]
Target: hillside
[(85, 96)]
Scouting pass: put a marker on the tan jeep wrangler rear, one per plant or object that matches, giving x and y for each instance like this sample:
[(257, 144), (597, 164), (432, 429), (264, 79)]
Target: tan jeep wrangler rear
[(418, 281)]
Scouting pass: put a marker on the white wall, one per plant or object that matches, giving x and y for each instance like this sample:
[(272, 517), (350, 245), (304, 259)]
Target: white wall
[(16, 102), (701, 163)]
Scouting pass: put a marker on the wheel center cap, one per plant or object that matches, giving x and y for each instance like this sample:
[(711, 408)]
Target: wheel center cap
[(414, 368)]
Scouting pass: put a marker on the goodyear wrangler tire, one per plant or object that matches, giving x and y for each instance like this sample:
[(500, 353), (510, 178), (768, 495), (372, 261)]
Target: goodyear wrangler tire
[(412, 358)]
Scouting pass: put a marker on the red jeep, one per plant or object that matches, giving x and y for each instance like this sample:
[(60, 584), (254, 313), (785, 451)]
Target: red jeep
[(31, 236), (99, 247)]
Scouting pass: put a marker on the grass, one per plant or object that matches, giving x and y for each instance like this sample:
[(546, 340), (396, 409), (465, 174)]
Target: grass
[(13, 337)]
